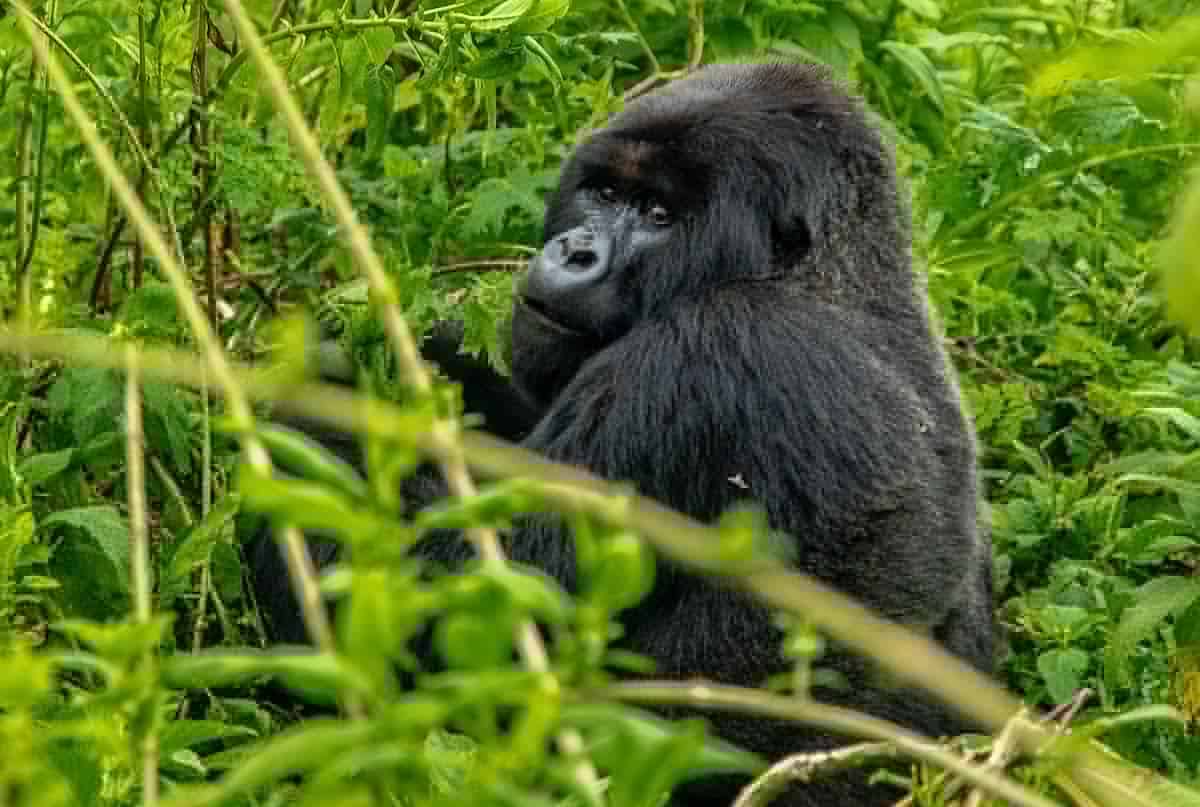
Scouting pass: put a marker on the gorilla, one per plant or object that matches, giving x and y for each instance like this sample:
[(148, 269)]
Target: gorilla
[(724, 309)]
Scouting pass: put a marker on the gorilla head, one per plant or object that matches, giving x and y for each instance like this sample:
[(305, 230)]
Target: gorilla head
[(739, 173)]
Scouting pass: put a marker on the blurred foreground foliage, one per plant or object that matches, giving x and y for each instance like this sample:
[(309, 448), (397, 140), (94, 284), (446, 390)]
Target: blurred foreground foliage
[(1048, 146)]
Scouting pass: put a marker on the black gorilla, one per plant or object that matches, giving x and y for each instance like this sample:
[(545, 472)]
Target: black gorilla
[(725, 309)]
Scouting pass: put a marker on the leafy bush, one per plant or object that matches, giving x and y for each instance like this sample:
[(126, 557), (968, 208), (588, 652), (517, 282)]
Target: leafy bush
[(1044, 166)]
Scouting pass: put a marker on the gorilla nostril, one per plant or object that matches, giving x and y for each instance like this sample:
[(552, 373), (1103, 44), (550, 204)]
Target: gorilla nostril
[(581, 258)]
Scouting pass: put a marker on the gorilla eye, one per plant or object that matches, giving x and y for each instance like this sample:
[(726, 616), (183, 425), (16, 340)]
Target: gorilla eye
[(608, 193), (660, 216)]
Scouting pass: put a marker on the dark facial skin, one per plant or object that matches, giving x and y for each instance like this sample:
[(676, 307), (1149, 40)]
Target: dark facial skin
[(575, 297)]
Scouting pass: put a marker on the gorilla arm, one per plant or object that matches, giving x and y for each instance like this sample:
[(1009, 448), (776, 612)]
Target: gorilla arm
[(506, 413)]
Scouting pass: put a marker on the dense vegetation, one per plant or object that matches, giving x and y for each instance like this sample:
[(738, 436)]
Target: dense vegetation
[(1046, 144)]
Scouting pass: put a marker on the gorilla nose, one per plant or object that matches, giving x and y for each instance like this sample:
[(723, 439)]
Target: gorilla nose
[(563, 281), (577, 250), (574, 260)]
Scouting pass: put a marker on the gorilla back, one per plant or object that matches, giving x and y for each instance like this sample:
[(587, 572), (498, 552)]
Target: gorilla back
[(725, 309)]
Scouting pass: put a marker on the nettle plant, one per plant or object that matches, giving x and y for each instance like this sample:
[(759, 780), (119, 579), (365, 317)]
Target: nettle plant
[(1038, 214)]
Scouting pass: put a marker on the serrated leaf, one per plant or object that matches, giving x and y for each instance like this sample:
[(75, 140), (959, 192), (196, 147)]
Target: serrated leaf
[(105, 527), (381, 89), (195, 547), (1153, 603), (922, 71)]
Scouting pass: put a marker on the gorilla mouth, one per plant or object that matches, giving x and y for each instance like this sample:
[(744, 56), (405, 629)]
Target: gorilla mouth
[(542, 312)]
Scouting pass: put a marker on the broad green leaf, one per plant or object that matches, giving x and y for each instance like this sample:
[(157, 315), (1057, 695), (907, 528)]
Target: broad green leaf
[(41, 468), (929, 9), (195, 547), (381, 89), (1153, 603), (498, 64), (521, 16), (616, 733), (313, 674), (104, 526), (922, 71), (306, 747), (1062, 670), (176, 735)]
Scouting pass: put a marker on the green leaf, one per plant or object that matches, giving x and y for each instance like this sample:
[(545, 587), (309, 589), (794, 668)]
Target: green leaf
[(41, 468), (1062, 670), (1114, 782), (311, 745), (177, 735), (1153, 603), (922, 71), (297, 453), (317, 676), (312, 506), (105, 527), (616, 734), (381, 89), (929, 9), (1125, 60), (500, 64), (1188, 423), (197, 544), (1179, 258), (521, 16)]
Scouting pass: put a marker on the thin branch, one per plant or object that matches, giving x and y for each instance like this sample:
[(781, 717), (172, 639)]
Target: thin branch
[(24, 172), (836, 719), (807, 768), (137, 255), (648, 51), (695, 44), (139, 539), (1004, 749), (482, 265)]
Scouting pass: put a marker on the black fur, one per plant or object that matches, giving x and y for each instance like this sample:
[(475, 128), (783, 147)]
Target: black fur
[(771, 343)]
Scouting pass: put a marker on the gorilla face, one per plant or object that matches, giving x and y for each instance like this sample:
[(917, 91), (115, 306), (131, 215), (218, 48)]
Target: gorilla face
[(580, 292), (621, 214)]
